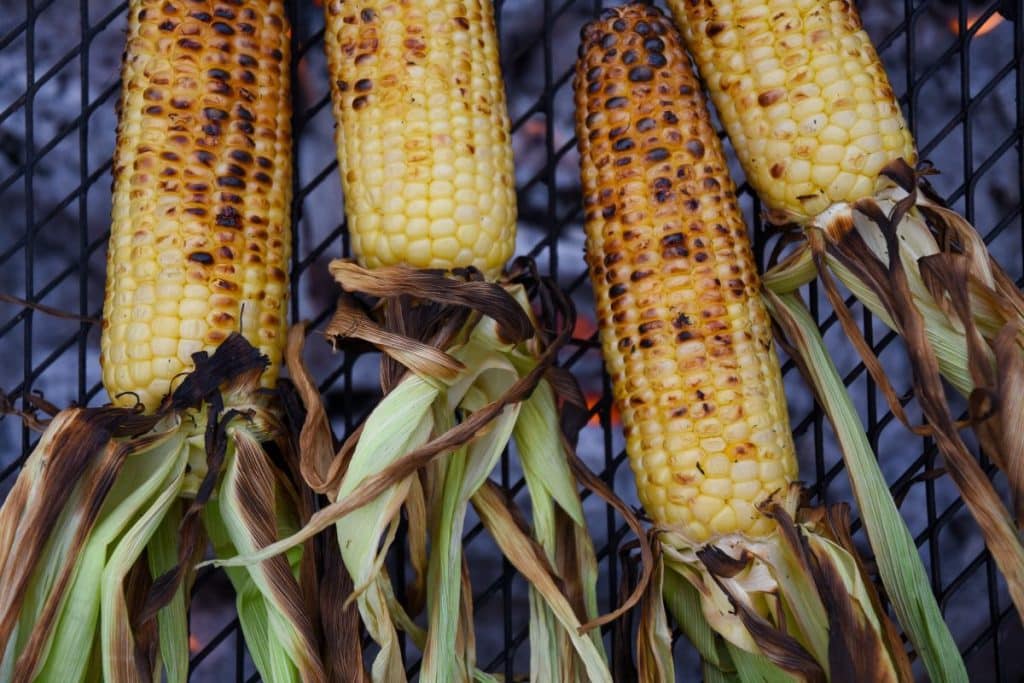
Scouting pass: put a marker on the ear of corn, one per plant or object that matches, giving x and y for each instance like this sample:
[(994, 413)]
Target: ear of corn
[(197, 262), (803, 96), (200, 237), (425, 156), (423, 133), (820, 135), (685, 335), (688, 345)]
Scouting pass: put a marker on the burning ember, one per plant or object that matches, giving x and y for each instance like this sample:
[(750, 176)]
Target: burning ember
[(585, 327), (987, 26), (593, 398)]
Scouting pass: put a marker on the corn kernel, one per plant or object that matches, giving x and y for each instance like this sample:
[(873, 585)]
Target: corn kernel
[(724, 522), (720, 488)]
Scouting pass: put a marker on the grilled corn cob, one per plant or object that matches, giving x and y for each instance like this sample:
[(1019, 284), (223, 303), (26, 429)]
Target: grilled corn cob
[(423, 134), (200, 238), (685, 335), (424, 149), (688, 344), (803, 96), (810, 111), (95, 577)]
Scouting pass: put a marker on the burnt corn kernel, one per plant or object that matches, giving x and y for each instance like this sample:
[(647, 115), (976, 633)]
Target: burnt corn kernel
[(656, 60), (640, 74), (657, 154), (184, 219), (680, 314)]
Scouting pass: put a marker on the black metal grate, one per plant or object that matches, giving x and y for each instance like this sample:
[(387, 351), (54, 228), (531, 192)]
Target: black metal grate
[(959, 68)]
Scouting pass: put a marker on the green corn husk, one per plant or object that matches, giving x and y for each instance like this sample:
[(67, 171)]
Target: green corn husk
[(896, 556), (782, 571), (722, 661), (172, 619), (798, 598), (466, 371), (927, 274), (118, 496)]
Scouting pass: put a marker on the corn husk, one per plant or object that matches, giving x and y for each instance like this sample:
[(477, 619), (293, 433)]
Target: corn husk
[(105, 523), (467, 368), (927, 274), (899, 565)]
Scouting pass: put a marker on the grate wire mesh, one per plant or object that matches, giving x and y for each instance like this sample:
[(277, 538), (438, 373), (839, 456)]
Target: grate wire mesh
[(957, 66)]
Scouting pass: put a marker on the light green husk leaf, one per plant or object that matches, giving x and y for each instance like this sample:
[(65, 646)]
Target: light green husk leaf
[(253, 614), (250, 509), (527, 557), (683, 602), (537, 436), (106, 485), (654, 637), (463, 472), (401, 422), (117, 642), (753, 668), (138, 485), (550, 484), (172, 619), (479, 385), (722, 661), (899, 564)]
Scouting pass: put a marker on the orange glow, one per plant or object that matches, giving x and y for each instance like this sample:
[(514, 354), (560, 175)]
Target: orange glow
[(193, 643), (585, 327), (990, 24), (595, 419), (535, 128)]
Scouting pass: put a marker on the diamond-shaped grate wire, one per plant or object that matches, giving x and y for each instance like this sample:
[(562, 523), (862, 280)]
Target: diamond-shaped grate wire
[(957, 66)]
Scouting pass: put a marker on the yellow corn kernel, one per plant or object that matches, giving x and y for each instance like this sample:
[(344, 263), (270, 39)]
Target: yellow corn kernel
[(200, 238), (771, 65), (686, 338), (423, 134)]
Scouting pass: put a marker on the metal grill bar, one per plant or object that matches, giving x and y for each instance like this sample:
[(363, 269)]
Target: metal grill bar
[(962, 91)]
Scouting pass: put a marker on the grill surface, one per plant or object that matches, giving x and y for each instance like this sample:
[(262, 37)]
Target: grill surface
[(958, 67)]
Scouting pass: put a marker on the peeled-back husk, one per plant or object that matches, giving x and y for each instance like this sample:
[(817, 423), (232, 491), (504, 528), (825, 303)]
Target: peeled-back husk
[(927, 274)]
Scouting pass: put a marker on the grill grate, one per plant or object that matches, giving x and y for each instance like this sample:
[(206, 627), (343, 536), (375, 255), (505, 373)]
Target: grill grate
[(958, 66)]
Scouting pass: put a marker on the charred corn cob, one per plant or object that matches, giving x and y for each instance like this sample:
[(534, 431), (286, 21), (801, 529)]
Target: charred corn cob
[(200, 238), (803, 97), (423, 134), (688, 344), (686, 338), (94, 583), (815, 124)]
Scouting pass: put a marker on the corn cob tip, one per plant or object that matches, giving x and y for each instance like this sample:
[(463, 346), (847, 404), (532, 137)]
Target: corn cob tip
[(618, 19), (686, 338), (423, 137), (802, 94)]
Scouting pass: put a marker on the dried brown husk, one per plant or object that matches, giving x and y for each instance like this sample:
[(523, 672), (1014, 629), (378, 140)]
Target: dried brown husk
[(416, 318), (928, 275), (799, 597)]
